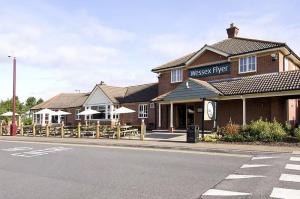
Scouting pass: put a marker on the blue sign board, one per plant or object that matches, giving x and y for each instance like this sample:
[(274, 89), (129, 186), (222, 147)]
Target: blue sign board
[(211, 70)]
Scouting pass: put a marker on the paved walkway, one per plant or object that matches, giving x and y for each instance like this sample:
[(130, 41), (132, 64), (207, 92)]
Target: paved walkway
[(153, 140)]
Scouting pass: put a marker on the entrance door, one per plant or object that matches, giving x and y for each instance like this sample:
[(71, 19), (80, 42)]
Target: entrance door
[(190, 111), (181, 118)]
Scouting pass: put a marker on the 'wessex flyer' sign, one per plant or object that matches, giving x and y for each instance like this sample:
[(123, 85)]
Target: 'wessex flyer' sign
[(204, 71)]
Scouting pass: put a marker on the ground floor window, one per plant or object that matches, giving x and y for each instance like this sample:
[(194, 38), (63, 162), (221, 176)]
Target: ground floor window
[(143, 111), (76, 113), (105, 112)]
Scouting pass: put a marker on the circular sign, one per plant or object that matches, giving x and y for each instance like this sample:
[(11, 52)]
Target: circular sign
[(210, 110)]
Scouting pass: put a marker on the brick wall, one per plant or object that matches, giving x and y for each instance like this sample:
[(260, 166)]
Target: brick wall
[(132, 118)]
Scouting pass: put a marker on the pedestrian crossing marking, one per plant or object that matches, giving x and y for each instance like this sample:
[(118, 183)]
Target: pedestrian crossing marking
[(285, 193), (293, 166), (290, 178), (236, 176), (261, 158), (254, 166), (218, 192), (295, 159)]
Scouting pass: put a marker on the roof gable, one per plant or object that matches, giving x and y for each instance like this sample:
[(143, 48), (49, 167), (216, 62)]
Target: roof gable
[(96, 96)]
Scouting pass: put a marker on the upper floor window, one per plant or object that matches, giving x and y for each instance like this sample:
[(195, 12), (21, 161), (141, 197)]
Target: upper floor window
[(143, 110), (176, 75), (247, 64)]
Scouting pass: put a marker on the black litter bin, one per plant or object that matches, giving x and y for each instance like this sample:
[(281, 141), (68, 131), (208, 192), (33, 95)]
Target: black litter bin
[(192, 135)]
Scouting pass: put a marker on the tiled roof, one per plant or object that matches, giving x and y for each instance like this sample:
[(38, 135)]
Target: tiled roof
[(270, 82), (238, 45), (231, 46), (138, 93), (63, 100)]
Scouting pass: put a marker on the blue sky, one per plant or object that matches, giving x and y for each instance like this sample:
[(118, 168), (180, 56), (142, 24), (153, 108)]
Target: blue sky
[(63, 46)]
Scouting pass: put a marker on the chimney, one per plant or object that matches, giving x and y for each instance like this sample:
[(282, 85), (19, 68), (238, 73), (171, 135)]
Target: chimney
[(232, 31)]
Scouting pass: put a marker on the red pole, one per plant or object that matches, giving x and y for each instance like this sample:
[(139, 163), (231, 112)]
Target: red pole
[(13, 127)]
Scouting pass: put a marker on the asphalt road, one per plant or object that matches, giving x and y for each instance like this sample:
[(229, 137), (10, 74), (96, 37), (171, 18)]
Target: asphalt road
[(53, 171)]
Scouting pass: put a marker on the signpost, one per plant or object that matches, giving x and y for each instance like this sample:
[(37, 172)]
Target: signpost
[(13, 126)]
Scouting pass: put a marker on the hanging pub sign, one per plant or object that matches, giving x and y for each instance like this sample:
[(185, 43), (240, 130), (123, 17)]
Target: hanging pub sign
[(211, 70), (209, 110)]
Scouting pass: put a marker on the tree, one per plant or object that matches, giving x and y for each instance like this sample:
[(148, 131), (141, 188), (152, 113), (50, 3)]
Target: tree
[(40, 101), (30, 102)]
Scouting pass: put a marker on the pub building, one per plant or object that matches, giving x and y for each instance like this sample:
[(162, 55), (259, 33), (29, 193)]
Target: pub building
[(236, 79)]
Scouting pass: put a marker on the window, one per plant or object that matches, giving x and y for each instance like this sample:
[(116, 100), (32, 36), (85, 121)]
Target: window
[(176, 75), (143, 111), (286, 64), (247, 64), (77, 116), (116, 116)]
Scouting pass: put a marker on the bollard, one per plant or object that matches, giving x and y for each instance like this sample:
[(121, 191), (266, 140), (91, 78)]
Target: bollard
[(143, 130), (47, 130), (33, 130), (118, 131), (1, 128), (78, 129), (62, 132), (22, 129), (98, 130)]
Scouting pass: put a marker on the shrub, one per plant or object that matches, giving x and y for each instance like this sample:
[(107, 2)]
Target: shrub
[(277, 131), (27, 121), (231, 129), (233, 138), (297, 133), (288, 128), (211, 137)]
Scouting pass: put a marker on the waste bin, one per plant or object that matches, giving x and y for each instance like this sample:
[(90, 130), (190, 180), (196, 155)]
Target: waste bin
[(192, 135)]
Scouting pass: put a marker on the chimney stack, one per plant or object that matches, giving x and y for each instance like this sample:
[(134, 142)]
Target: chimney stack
[(232, 31)]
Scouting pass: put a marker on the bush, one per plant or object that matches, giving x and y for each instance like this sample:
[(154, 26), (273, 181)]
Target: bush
[(288, 128), (27, 121), (277, 131), (233, 138), (231, 129), (297, 133), (211, 137)]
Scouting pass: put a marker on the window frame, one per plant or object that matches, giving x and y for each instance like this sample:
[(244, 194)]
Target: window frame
[(246, 64), (76, 113), (178, 72), (143, 111)]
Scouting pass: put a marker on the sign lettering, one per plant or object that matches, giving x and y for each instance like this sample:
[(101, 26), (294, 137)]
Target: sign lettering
[(205, 71)]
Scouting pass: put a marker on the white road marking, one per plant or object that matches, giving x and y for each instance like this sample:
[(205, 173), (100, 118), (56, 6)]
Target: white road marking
[(293, 166), (236, 176), (290, 178), (30, 154), (261, 158), (285, 193), (296, 152), (245, 166), (295, 159), (17, 149), (218, 192)]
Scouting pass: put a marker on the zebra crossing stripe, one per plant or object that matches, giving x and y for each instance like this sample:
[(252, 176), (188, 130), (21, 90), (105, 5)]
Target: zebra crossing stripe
[(296, 152), (254, 165), (218, 192), (293, 166), (285, 193), (290, 178), (295, 159), (236, 176), (261, 158)]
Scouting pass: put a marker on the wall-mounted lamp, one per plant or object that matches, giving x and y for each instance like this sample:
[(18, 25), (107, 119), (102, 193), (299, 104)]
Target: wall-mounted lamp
[(274, 56)]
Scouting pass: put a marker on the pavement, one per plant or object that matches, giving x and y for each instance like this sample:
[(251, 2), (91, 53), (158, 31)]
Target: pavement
[(175, 141)]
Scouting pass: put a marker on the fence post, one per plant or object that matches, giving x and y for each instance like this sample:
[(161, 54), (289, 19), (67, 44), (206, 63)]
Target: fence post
[(143, 130), (1, 127), (22, 130), (98, 130), (78, 129), (118, 131), (47, 130), (62, 132), (33, 130)]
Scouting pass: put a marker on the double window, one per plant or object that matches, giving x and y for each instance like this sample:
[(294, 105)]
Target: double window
[(143, 111), (247, 64), (176, 75)]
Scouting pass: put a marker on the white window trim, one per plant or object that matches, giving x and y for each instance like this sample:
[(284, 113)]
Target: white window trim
[(252, 71), (77, 116), (143, 117), (179, 80)]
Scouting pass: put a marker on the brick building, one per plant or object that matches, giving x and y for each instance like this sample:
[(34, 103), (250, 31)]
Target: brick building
[(239, 79), (106, 99)]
